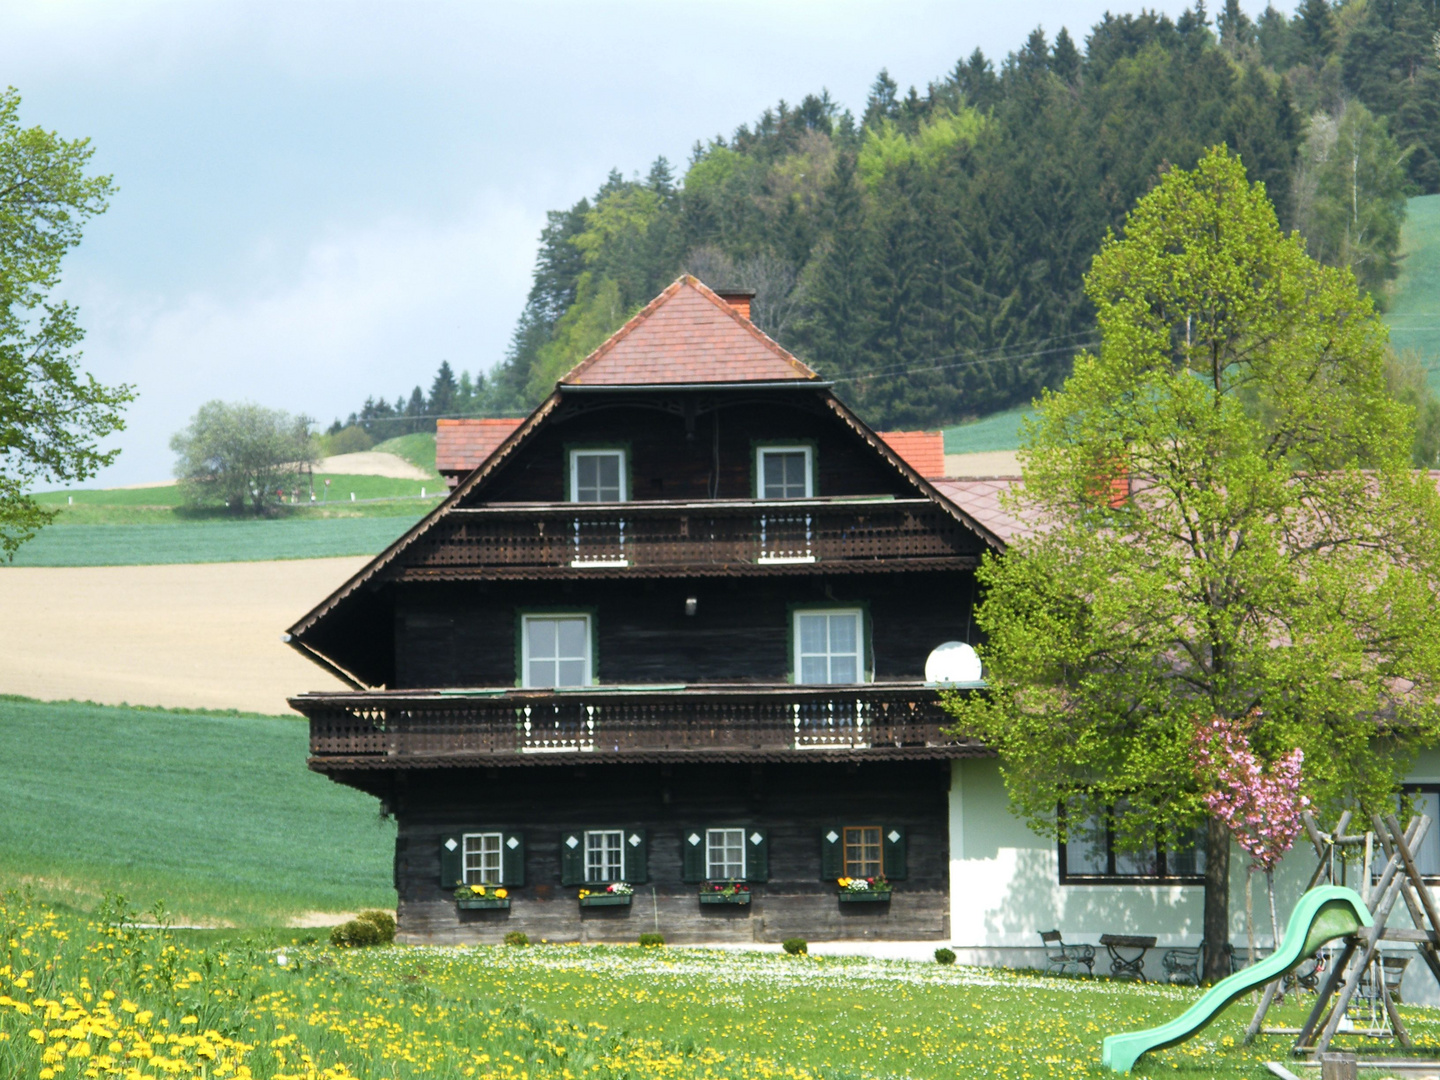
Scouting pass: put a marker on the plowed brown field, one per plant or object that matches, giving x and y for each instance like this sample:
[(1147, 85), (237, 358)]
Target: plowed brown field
[(190, 636)]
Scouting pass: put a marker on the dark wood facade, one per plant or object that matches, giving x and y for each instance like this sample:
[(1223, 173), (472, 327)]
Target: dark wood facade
[(693, 716), (795, 805)]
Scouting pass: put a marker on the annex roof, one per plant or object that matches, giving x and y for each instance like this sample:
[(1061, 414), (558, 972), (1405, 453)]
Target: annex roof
[(687, 334), (979, 500), (461, 445)]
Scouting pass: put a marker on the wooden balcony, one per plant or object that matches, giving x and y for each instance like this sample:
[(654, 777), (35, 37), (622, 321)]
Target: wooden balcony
[(430, 729), (649, 539)]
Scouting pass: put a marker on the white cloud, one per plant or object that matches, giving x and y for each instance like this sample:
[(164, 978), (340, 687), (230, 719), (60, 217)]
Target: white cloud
[(368, 310)]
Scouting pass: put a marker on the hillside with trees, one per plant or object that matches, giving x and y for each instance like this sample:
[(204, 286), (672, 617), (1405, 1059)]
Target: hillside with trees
[(928, 253)]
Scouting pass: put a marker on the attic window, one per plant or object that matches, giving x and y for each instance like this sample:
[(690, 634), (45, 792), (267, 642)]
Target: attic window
[(784, 472), (597, 476)]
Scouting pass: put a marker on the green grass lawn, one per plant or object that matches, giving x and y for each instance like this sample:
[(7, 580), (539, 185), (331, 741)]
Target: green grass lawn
[(1414, 315), (215, 814), (275, 1003)]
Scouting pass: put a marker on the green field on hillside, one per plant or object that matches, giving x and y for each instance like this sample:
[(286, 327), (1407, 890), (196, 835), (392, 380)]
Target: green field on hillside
[(418, 449), (999, 431), (223, 541), (1414, 315), (214, 814)]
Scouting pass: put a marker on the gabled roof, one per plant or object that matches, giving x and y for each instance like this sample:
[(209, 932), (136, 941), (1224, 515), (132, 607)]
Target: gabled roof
[(461, 445), (923, 450), (687, 334)]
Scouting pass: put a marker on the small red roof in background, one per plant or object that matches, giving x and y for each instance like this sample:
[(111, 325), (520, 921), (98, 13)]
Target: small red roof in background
[(461, 445), (923, 451), (687, 334)]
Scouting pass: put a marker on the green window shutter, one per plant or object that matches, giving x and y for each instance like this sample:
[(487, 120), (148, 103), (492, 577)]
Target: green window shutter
[(512, 859), (452, 862), (572, 858), (894, 848), (692, 855), (757, 855), (637, 860), (832, 852)]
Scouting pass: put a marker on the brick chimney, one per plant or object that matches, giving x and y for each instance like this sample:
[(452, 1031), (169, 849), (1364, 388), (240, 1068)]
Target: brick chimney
[(739, 299)]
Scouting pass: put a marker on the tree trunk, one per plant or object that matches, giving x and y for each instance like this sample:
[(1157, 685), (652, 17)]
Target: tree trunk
[(1217, 900)]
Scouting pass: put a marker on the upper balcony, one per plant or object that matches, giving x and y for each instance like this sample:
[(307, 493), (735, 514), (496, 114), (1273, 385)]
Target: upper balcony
[(649, 539), (736, 723)]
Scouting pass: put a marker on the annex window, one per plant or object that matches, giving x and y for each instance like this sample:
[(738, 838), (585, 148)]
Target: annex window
[(604, 855), (597, 476), (828, 647), (863, 857), (784, 472), (725, 854), (555, 650), (1090, 854), (484, 863)]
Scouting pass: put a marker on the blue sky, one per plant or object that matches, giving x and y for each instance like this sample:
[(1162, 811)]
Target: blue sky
[(319, 202)]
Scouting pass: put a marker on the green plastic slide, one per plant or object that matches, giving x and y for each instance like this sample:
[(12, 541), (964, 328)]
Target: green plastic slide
[(1322, 915)]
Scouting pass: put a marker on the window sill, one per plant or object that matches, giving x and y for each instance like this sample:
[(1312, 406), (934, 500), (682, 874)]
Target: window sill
[(721, 898), (865, 896), (605, 901), (482, 903)]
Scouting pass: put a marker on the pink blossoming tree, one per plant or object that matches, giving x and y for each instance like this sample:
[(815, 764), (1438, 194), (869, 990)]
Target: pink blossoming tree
[(1262, 808)]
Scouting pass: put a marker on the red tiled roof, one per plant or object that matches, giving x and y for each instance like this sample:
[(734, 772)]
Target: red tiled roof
[(687, 334), (461, 445), (923, 451)]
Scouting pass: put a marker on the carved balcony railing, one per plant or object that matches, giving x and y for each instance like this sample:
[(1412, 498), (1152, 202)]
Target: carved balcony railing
[(659, 538), (410, 729)]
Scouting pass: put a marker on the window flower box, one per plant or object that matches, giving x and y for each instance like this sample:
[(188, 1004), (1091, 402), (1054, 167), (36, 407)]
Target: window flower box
[(481, 898), (863, 890), (725, 893), (616, 895)]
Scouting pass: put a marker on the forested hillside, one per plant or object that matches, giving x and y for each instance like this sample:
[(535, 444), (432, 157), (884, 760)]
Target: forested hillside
[(927, 254)]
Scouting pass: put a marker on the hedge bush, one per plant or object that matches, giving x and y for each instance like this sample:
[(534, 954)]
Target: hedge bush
[(518, 938), (796, 946), (944, 956), (355, 934), (382, 921), (648, 941)]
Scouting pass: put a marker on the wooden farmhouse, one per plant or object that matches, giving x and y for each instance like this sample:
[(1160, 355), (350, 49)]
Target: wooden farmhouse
[(658, 662)]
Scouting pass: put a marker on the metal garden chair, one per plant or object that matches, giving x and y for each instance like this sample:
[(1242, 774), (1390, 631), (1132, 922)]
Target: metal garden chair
[(1060, 959)]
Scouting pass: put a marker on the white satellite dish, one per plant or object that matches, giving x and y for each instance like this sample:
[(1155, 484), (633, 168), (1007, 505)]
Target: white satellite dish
[(952, 662)]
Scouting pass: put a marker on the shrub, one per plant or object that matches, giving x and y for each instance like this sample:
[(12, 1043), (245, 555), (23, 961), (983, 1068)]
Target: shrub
[(518, 938), (355, 934), (348, 440), (944, 956), (382, 921), (796, 946), (648, 941)]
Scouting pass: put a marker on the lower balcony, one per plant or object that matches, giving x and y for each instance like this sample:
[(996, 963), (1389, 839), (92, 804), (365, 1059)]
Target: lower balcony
[(443, 728)]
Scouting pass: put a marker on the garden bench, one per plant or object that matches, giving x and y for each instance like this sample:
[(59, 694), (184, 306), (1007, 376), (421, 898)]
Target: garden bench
[(1061, 958), (1182, 965), (1121, 965)]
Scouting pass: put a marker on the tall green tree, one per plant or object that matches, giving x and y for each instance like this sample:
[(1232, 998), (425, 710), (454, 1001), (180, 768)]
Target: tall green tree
[(1275, 561), (52, 414), (242, 456)]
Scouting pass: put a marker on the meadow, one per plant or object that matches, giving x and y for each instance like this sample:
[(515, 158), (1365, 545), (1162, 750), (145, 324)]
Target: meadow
[(1414, 310), (213, 813), (104, 998)]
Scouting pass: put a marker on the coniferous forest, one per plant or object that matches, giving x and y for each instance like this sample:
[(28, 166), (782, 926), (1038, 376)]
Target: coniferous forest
[(927, 254)]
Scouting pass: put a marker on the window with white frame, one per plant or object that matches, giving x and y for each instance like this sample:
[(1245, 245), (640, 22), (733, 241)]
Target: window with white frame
[(783, 472), (555, 650), (605, 855), (828, 647), (597, 476), (725, 854), (483, 859)]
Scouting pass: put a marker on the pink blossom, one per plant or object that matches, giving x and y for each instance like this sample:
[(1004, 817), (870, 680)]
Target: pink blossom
[(1263, 810)]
